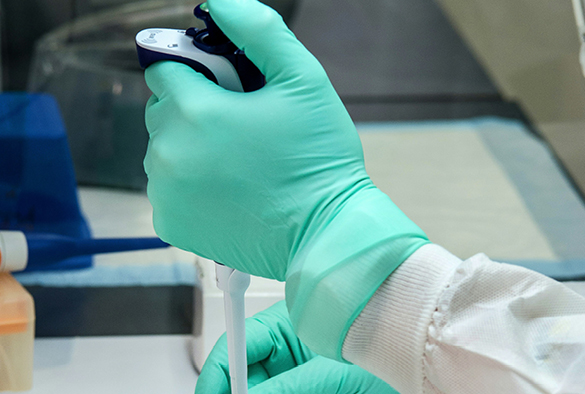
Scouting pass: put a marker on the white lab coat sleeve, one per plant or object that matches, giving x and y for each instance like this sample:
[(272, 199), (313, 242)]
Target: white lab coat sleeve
[(440, 325)]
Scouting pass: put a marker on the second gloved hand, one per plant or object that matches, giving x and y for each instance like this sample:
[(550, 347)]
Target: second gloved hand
[(279, 363), (273, 182)]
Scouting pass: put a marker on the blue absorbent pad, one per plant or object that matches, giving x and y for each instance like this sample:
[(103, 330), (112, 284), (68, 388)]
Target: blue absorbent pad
[(482, 185), (37, 182), (172, 274)]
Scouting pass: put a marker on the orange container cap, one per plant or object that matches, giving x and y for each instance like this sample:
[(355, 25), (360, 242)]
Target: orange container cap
[(16, 306)]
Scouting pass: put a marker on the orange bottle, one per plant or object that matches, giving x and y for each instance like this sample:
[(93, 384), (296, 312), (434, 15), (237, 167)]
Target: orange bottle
[(17, 324)]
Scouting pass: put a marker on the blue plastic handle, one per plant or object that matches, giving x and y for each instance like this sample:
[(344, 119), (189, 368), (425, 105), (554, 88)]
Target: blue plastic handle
[(47, 249)]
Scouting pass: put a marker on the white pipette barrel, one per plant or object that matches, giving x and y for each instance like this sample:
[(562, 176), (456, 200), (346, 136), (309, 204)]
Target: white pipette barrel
[(234, 283)]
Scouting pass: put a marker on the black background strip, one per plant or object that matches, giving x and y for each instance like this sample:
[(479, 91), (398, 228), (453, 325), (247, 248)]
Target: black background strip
[(96, 311)]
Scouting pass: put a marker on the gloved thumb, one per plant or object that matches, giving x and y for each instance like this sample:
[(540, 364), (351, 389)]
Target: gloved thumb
[(262, 34), (324, 376)]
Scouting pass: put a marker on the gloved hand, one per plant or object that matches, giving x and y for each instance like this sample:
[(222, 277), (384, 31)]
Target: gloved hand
[(280, 363), (273, 182)]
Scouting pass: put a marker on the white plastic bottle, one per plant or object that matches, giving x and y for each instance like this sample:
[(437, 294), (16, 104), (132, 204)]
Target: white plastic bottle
[(17, 323), (13, 251)]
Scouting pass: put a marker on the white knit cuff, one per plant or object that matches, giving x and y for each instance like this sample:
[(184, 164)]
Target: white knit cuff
[(388, 338)]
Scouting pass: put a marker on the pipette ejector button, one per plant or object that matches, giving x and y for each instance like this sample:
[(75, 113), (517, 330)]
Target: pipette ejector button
[(214, 36)]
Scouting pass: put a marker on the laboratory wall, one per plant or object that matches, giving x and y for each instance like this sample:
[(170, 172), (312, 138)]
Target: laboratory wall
[(394, 59), (377, 51), (530, 48), (24, 22), (398, 60)]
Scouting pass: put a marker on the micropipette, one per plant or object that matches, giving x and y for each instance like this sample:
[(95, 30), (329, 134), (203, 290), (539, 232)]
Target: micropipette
[(211, 53), (234, 283), (207, 51)]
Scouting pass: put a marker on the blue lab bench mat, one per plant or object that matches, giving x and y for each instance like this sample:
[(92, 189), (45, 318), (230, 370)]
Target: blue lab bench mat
[(481, 185)]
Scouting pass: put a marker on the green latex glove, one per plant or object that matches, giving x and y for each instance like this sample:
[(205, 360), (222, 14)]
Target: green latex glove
[(273, 182), (280, 363)]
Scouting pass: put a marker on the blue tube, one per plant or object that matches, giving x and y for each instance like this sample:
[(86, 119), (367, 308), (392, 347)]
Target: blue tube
[(45, 250)]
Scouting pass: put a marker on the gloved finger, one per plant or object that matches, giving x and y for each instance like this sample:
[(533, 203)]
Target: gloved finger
[(262, 34), (257, 374), (173, 79), (152, 115), (324, 376), (214, 377), (152, 100), (271, 348)]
